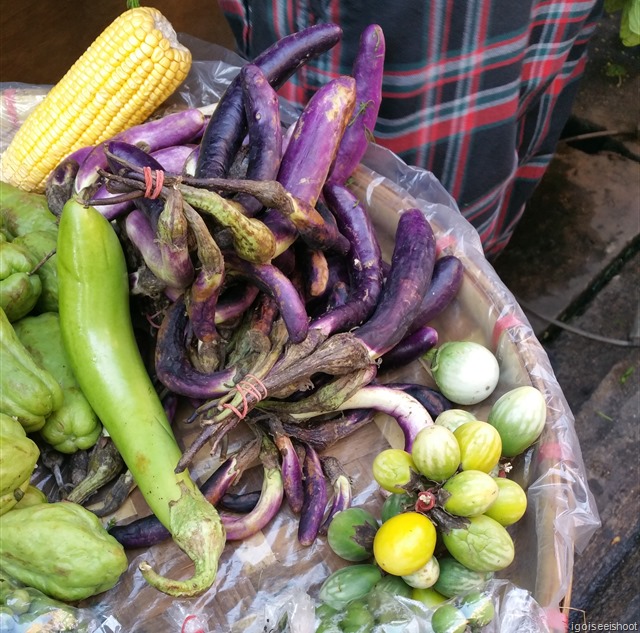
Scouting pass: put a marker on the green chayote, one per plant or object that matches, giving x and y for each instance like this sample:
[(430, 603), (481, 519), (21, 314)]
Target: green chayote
[(61, 549), (20, 287), (22, 212), (18, 457), (28, 392), (74, 425), (41, 244)]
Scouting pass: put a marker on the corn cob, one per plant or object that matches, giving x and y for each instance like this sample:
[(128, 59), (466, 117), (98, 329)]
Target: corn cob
[(134, 65)]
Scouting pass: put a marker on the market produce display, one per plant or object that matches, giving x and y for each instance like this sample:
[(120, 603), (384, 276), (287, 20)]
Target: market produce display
[(223, 265)]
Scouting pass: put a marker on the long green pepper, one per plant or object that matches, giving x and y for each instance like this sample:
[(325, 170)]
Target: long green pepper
[(99, 339)]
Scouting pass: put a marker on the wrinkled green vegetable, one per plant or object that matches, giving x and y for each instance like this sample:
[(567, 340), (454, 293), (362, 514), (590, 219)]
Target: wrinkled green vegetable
[(18, 457), (20, 287), (22, 212), (27, 391), (41, 245), (61, 549), (74, 425)]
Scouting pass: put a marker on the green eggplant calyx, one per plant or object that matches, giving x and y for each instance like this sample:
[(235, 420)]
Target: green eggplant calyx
[(196, 528)]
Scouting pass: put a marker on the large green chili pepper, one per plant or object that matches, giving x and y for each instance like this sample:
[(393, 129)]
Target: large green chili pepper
[(103, 352)]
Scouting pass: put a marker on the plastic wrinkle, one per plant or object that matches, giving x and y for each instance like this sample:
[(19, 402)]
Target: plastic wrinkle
[(503, 324), (555, 451), (151, 176)]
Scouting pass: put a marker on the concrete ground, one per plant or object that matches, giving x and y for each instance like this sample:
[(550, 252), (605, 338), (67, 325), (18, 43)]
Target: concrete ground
[(575, 259)]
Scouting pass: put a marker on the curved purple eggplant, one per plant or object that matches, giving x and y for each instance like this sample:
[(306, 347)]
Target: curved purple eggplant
[(262, 110), (203, 293), (448, 275), (179, 128), (173, 366), (364, 262), (311, 150), (276, 284), (227, 126), (410, 348), (367, 71), (289, 465), (342, 493), (315, 497), (240, 527), (410, 415), (412, 264)]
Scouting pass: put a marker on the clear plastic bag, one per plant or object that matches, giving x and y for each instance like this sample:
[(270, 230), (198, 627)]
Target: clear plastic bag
[(269, 574), (26, 610)]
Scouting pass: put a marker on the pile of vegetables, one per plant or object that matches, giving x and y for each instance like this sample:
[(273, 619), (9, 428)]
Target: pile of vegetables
[(222, 262), (442, 532)]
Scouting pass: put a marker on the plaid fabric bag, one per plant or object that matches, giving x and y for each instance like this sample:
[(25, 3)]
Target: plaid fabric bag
[(475, 91)]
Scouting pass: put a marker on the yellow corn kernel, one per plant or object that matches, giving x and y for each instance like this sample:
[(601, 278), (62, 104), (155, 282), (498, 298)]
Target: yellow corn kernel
[(131, 68)]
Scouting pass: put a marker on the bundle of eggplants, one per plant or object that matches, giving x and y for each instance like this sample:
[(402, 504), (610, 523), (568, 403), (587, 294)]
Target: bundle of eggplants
[(274, 306)]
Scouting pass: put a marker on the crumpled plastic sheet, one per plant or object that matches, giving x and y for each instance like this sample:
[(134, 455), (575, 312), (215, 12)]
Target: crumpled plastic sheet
[(268, 576)]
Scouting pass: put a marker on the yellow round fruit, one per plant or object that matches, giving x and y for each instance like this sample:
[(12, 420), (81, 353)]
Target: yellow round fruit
[(404, 543)]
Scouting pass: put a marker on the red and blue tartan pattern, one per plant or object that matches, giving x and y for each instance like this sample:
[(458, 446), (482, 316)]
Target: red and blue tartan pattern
[(475, 91)]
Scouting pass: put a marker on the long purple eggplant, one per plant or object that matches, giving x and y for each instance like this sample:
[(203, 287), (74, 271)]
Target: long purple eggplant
[(315, 497), (148, 531), (262, 110), (179, 128), (324, 433), (447, 278), (202, 297), (431, 399), (410, 348), (172, 363), (367, 70), (364, 262), (409, 277), (240, 527), (311, 150), (410, 415), (227, 126), (342, 493), (275, 283), (289, 465)]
